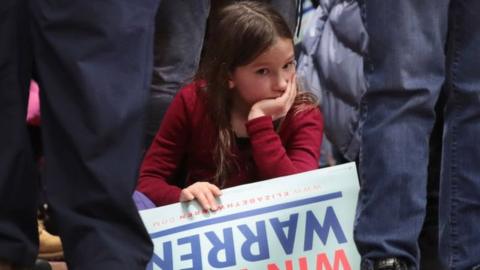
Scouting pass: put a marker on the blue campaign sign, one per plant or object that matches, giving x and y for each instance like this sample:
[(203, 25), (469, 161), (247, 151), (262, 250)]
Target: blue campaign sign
[(302, 221)]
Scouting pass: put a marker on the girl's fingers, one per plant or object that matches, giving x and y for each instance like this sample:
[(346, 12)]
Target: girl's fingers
[(215, 190), (202, 199), (293, 89), (211, 200), (204, 193), (294, 84), (288, 91), (186, 195), (288, 97), (285, 97)]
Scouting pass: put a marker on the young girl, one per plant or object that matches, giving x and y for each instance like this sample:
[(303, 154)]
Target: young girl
[(241, 121)]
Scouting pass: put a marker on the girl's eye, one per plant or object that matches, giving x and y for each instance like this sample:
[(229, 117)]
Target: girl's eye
[(262, 71), (290, 65)]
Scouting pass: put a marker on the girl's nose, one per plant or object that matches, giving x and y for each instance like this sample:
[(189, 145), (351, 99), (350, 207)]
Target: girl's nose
[(281, 83)]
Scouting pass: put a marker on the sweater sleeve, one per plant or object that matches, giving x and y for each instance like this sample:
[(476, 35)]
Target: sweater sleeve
[(165, 154), (300, 150)]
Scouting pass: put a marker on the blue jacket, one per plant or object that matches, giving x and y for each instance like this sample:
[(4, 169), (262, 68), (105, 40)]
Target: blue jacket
[(330, 64)]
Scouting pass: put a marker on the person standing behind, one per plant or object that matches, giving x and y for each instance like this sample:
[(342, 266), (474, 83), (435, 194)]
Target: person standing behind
[(180, 27), (93, 61), (406, 67), (242, 120)]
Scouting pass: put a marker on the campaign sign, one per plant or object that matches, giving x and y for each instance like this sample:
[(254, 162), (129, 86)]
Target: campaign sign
[(297, 222)]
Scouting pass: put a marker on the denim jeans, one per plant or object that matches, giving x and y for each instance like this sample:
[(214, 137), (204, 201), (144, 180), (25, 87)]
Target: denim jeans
[(179, 35), (407, 65)]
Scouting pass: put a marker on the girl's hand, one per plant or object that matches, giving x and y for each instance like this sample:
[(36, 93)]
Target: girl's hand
[(277, 107), (204, 192)]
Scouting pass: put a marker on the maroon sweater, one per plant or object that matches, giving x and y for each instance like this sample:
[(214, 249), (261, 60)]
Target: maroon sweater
[(187, 136)]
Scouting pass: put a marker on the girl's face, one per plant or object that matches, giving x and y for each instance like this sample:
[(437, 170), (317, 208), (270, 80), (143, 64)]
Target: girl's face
[(266, 77)]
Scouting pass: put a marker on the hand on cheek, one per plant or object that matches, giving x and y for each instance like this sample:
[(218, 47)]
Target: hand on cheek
[(277, 107)]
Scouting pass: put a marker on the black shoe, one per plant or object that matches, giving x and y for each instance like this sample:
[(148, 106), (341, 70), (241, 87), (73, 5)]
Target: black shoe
[(42, 265), (390, 264)]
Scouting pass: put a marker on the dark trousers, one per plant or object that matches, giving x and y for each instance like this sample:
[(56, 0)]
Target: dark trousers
[(93, 61)]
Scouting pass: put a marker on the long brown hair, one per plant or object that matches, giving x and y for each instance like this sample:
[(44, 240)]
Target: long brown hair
[(238, 33)]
